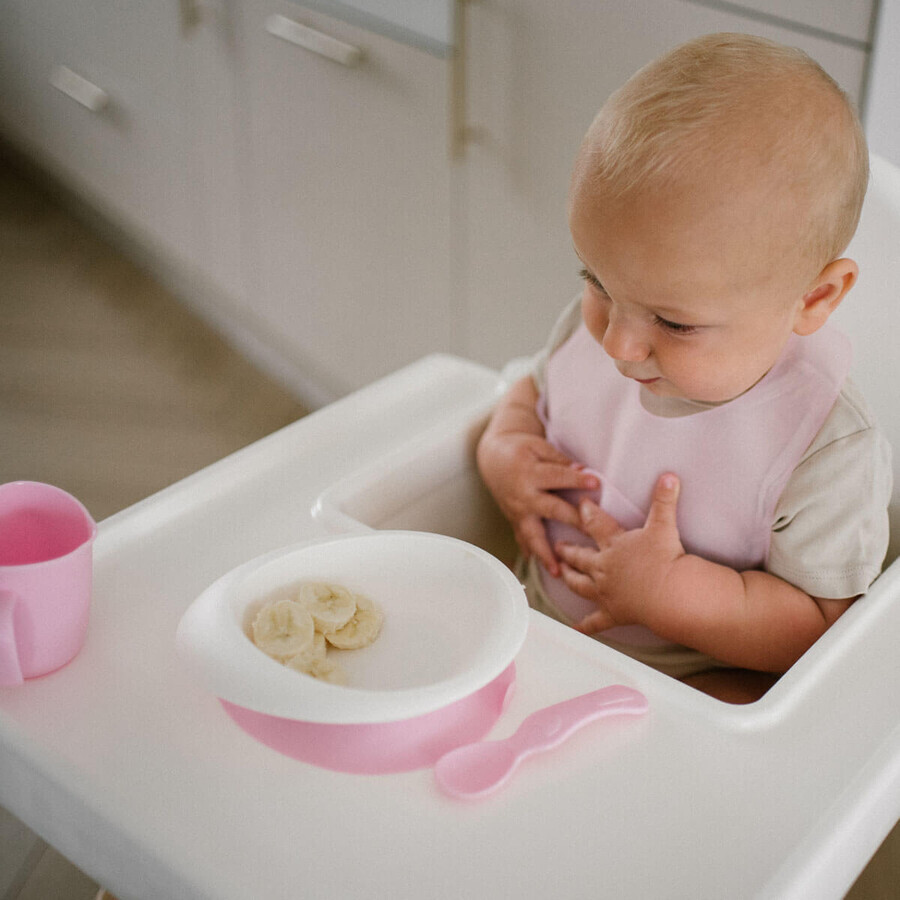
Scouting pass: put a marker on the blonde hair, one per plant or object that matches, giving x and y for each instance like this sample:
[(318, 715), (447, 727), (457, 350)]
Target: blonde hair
[(764, 110)]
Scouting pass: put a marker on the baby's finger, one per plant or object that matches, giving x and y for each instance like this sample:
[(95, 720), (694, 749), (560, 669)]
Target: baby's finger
[(550, 506), (597, 523), (580, 558), (546, 452), (555, 477), (664, 507), (581, 584), (534, 538), (596, 621)]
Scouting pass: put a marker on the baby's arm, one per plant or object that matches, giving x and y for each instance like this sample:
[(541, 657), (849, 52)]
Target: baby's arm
[(750, 619), (521, 469)]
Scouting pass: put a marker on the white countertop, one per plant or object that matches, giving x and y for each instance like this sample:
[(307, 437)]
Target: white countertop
[(136, 774)]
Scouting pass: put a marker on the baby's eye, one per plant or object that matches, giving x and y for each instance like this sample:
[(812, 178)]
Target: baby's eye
[(592, 280), (674, 327)]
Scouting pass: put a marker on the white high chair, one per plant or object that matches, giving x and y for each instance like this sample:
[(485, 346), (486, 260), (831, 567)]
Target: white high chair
[(431, 484), (871, 313), (131, 768)]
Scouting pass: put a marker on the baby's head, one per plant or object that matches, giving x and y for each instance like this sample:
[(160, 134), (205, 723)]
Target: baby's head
[(716, 190)]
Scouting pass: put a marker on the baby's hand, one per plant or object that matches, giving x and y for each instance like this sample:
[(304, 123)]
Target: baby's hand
[(521, 470), (626, 575)]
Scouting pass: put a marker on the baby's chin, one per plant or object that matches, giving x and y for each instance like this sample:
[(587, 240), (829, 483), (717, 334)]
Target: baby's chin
[(660, 387), (663, 388)]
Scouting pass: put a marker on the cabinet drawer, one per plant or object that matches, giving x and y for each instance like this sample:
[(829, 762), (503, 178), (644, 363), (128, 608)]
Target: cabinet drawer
[(136, 40), (349, 196), (847, 18), (427, 24), (124, 154), (16, 111)]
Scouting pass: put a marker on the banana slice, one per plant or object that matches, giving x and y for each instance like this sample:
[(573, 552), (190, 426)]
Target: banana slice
[(314, 661), (297, 631), (328, 670), (325, 669), (313, 653), (283, 629), (362, 628), (330, 605)]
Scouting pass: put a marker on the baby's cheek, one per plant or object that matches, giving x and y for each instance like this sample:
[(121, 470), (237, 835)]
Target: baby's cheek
[(594, 315), (702, 379)]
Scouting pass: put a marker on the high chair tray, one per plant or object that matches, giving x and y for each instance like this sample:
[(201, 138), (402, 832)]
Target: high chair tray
[(128, 766)]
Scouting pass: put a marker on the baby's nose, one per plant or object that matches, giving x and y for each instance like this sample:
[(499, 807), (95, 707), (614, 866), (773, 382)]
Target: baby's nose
[(625, 340)]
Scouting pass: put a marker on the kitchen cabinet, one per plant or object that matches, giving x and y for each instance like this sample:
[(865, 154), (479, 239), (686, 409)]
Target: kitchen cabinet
[(94, 86), (883, 99), (848, 21), (123, 102), (286, 166), (348, 193)]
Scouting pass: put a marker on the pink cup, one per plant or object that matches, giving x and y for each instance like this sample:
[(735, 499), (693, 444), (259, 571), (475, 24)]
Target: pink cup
[(46, 539)]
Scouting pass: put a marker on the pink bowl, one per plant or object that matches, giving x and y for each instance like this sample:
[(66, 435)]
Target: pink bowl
[(454, 619), (383, 747)]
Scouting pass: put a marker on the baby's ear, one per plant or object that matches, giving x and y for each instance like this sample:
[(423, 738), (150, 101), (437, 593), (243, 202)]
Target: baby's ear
[(824, 295)]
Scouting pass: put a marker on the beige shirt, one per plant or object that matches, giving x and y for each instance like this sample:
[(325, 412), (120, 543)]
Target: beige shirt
[(830, 532)]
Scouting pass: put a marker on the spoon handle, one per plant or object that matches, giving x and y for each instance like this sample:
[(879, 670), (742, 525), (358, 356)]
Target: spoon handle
[(474, 770), (549, 727)]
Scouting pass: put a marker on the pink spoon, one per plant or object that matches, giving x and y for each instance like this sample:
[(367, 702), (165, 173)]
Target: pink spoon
[(475, 770)]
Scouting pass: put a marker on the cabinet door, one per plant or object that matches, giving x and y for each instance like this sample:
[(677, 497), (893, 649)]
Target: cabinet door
[(348, 197), (883, 106), (16, 112), (155, 149), (98, 82), (537, 73)]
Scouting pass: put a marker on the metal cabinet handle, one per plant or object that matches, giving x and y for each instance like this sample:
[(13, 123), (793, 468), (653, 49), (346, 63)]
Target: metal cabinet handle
[(79, 89), (310, 39)]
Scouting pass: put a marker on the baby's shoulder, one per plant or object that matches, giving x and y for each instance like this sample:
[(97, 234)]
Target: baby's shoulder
[(850, 421)]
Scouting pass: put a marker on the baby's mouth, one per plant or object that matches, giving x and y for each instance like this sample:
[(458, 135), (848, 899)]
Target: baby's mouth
[(639, 380)]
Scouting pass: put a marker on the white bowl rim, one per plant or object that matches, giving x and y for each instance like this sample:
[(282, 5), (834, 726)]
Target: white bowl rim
[(214, 647)]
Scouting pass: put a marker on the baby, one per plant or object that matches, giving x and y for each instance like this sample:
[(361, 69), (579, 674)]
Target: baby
[(689, 473)]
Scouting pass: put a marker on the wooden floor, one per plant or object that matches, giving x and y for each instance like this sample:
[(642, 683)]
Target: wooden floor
[(112, 390), (108, 387)]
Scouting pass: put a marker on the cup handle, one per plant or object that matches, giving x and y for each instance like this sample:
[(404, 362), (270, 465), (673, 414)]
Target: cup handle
[(10, 669)]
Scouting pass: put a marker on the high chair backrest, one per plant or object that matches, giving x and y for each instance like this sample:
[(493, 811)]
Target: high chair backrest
[(870, 314)]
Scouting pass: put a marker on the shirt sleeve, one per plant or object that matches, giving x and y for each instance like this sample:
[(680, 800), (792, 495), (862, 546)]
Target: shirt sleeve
[(831, 531)]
